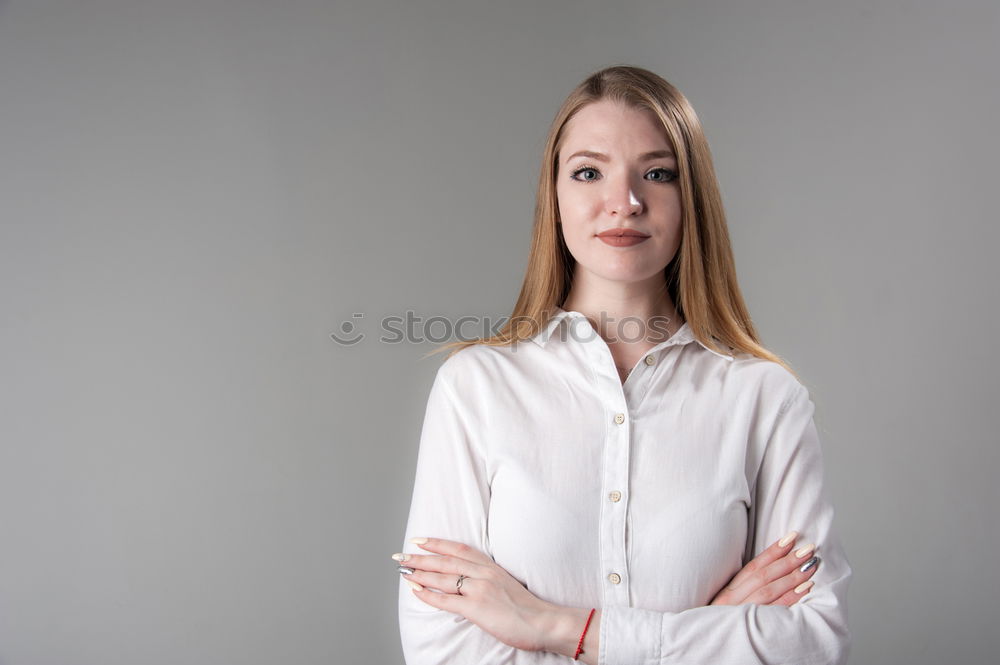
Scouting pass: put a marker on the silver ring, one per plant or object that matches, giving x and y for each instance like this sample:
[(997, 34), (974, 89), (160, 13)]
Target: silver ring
[(458, 584)]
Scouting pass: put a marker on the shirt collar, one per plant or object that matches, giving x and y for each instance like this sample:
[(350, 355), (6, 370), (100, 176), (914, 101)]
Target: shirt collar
[(684, 334)]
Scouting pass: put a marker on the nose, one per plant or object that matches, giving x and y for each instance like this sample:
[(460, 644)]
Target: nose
[(622, 201)]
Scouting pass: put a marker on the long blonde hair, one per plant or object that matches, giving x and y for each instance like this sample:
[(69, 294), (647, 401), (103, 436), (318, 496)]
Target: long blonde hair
[(701, 279)]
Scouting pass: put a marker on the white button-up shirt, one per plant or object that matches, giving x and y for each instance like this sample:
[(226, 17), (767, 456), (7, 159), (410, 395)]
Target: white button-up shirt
[(642, 499)]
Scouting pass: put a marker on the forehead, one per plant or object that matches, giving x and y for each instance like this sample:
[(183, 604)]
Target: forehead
[(608, 121)]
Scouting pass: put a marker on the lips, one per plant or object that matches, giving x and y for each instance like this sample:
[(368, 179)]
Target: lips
[(622, 237), (621, 232)]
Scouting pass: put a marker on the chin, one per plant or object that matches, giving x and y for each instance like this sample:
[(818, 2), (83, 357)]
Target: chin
[(626, 275)]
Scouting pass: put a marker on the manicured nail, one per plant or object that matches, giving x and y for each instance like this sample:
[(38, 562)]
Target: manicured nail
[(804, 550), (418, 541), (805, 586), (401, 557), (810, 563), (405, 570), (414, 585), (789, 537)]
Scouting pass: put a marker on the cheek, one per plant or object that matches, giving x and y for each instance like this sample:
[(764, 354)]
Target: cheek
[(575, 209), (573, 235), (575, 232), (575, 217), (671, 240)]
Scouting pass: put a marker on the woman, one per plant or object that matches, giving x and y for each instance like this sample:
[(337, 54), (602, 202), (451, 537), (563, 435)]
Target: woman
[(592, 480)]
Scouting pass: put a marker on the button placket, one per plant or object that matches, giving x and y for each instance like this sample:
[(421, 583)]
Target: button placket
[(618, 399), (617, 564), (615, 476)]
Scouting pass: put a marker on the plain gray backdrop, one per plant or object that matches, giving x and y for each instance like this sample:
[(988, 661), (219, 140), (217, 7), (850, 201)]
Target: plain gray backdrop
[(197, 193)]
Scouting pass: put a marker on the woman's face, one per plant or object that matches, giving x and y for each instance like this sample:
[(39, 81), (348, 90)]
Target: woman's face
[(626, 180)]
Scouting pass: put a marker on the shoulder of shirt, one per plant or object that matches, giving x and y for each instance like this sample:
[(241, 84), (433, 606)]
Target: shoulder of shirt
[(468, 365), (772, 379)]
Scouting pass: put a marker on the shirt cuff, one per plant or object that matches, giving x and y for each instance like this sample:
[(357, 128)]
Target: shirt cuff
[(629, 636)]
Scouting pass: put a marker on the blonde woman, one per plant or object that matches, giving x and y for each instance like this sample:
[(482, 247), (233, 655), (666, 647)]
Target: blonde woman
[(623, 474)]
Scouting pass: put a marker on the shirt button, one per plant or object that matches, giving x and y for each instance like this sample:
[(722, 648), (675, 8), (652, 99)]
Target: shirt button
[(650, 360), (615, 496), (619, 418), (614, 578)]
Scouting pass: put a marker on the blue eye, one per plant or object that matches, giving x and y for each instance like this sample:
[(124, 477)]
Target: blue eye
[(583, 169), (667, 174)]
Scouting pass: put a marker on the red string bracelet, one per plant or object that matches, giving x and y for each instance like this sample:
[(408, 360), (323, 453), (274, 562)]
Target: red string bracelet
[(579, 647)]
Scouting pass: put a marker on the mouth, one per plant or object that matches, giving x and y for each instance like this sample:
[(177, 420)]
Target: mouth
[(623, 238), (622, 233)]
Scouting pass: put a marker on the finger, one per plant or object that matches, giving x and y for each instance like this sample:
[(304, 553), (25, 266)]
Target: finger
[(440, 563), (778, 549), (445, 583), (773, 571), (793, 596), (452, 548), (771, 593), (443, 601), (789, 562)]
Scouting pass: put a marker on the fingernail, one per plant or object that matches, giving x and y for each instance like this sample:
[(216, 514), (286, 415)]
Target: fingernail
[(805, 586), (804, 550), (401, 557), (789, 537), (418, 541), (414, 585), (405, 570), (810, 563)]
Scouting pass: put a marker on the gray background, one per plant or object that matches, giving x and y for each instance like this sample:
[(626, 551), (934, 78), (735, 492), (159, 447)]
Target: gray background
[(196, 193)]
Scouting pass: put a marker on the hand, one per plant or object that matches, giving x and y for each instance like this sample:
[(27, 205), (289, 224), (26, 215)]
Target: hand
[(490, 597), (772, 576)]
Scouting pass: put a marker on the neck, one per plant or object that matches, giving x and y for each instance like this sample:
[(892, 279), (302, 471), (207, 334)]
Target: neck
[(640, 311)]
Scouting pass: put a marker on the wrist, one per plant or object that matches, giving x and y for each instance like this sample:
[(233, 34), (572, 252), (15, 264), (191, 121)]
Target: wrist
[(561, 628)]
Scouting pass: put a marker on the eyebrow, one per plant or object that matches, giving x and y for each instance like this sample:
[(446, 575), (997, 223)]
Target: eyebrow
[(655, 154)]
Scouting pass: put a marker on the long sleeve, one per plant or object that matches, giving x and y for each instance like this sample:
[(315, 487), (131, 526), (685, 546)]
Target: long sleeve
[(450, 500), (789, 494)]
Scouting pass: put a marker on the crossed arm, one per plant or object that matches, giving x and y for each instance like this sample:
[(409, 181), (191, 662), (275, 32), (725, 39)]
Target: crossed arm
[(498, 621), (497, 603)]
